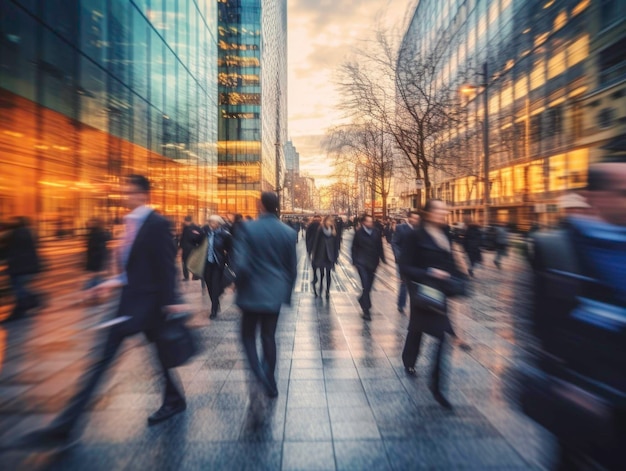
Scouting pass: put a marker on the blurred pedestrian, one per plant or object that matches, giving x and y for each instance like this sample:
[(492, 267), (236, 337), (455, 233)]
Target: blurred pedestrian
[(237, 221), (188, 235), (578, 318), (399, 236), (218, 253), (324, 253), (502, 244), (148, 283), (311, 232), (339, 226), (428, 265), (97, 251), (266, 265), (23, 265), (367, 251), (472, 240)]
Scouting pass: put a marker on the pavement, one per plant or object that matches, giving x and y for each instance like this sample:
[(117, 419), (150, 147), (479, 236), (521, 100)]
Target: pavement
[(344, 401)]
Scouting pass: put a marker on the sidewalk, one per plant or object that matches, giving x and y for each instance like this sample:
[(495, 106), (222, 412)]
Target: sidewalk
[(344, 403)]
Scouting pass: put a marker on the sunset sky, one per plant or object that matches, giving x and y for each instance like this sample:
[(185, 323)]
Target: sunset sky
[(322, 34)]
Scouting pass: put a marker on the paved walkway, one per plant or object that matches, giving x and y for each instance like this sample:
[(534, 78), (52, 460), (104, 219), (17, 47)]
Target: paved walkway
[(344, 403)]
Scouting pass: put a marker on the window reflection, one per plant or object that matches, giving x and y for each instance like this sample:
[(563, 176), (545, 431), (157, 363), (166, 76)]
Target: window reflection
[(103, 96)]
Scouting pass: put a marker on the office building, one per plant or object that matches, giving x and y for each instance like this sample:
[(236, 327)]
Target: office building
[(92, 90), (556, 85), (252, 75)]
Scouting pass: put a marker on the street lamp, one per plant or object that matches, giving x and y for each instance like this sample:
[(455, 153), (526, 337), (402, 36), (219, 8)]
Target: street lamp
[(468, 89)]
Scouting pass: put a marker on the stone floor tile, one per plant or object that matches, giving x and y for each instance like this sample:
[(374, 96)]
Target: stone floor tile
[(361, 455), (308, 456)]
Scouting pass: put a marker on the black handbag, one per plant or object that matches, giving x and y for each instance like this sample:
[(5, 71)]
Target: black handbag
[(175, 342), (228, 277), (428, 298)]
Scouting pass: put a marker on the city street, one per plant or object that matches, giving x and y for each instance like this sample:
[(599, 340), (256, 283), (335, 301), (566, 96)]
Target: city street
[(344, 400)]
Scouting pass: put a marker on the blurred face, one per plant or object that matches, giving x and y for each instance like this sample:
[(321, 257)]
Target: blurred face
[(328, 222), (610, 203), (438, 213), (135, 197), (213, 224), (368, 222), (413, 220)]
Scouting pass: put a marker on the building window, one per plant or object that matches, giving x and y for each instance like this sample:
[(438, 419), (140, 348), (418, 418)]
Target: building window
[(612, 62), (578, 51)]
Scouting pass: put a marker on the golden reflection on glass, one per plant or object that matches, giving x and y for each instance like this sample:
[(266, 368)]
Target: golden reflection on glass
[(62, 173), (580, 7)]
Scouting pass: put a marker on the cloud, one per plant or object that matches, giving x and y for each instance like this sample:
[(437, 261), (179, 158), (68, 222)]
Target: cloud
[(322, 34)]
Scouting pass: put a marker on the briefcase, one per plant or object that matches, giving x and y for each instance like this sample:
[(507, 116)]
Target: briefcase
[(175, 342), (228, 276)]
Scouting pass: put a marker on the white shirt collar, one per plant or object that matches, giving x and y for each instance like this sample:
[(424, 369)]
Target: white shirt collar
[(140, 213)]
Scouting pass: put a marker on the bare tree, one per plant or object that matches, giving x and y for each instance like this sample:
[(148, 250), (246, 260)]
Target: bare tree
[(400, 87), (363, 148)]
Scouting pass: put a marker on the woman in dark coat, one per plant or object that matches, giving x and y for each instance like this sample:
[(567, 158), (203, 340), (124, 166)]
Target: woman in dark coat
[(426, 258), (23, 264), (471, 243), (324, 253)]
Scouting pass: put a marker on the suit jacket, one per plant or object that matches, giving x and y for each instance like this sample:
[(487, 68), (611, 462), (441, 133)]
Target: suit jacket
[(22, 256), (187, 238), (367, 250), (151, 276), (266, 264), (418, 253), (222, 244), (397, 240)]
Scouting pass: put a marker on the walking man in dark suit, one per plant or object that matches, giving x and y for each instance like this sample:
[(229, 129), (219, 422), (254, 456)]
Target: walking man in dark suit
[(367, 251), (266, 266), (148, 284), (218, 252), (397, 240)]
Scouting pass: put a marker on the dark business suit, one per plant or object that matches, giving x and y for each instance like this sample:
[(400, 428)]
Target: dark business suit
[(418, 253), (150, 272), (266, 265), (214, 267), (397, 240), (367, 251), (187, 245)]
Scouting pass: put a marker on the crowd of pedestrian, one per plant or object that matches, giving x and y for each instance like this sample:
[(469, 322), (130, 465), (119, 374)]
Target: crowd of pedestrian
[(579, 274)]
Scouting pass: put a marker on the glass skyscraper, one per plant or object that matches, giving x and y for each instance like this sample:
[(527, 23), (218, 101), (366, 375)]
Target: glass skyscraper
[(556, 71), (92, 90), (252, 77)]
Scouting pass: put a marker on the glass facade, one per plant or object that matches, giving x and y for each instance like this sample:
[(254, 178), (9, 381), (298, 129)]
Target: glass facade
[(541, 79), (252, 78), (92, 90)]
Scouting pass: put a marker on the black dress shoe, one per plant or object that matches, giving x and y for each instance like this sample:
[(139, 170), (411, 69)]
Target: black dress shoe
[(213, 315), (166, 411), (47, 439), (410, 371), (366, 316)]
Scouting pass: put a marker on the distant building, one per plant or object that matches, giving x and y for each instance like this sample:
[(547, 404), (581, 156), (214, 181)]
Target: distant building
[(557, 92), (252, 77)]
